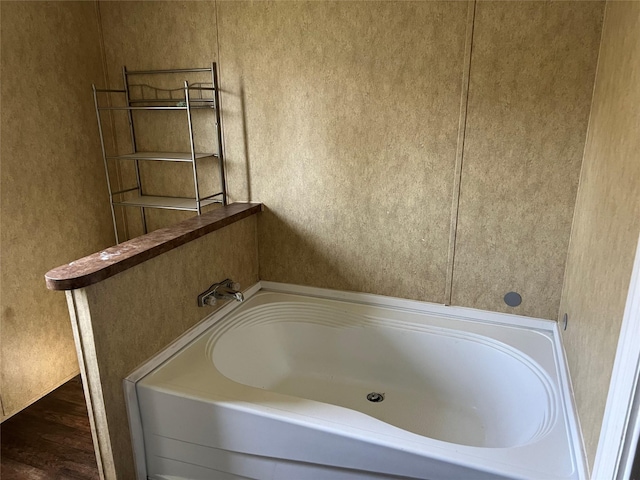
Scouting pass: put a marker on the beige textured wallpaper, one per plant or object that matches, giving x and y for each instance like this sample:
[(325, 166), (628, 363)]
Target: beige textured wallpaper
[(342, 118), (53, 191), (138, 312), (532, 72), (607, 219)]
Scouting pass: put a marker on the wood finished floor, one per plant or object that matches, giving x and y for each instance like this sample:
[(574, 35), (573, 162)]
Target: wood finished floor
[(51, 439)]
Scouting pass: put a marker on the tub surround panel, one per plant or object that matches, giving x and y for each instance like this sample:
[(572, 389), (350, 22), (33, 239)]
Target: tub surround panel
[(111, 261), (532, 72), (342, 118), (135, 314), (607, 219), (53, 192), (349, 138)]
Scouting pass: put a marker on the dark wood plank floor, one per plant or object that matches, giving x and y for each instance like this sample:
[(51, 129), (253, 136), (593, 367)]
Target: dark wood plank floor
[(51, 439)]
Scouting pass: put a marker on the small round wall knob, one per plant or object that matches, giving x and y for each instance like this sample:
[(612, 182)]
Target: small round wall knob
[(513, 299)]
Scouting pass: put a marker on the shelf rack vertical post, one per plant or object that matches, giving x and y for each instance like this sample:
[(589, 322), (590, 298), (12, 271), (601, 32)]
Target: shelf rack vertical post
[(106, 165), (133, 144), (193, 147)]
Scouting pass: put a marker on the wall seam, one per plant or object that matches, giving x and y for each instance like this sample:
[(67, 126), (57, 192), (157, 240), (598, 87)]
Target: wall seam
[(580, 177), (215, 4), (112, 134), (462, 127)]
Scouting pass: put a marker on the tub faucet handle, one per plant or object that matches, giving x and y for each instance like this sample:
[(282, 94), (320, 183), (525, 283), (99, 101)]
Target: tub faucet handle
[(226, 290), (209, 300)]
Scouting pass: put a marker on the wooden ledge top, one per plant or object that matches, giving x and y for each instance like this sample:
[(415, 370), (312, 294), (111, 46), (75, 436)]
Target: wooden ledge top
[(107, 263)]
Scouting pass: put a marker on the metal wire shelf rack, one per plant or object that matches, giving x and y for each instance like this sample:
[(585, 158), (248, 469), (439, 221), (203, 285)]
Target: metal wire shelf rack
[(144, 96)]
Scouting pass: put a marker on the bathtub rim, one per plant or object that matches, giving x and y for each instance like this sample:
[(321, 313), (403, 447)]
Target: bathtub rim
[(548, 327)]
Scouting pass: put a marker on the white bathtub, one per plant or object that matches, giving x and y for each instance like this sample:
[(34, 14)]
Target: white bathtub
[(277, 389)]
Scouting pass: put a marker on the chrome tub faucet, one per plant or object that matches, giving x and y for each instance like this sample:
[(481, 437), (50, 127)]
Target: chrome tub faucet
[(224, 290)]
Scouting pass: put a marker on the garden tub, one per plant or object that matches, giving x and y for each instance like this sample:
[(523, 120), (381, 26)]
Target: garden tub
[(299, 382)]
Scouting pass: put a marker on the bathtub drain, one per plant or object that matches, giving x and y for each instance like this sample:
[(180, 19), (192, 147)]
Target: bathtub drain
[(375, 397)]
